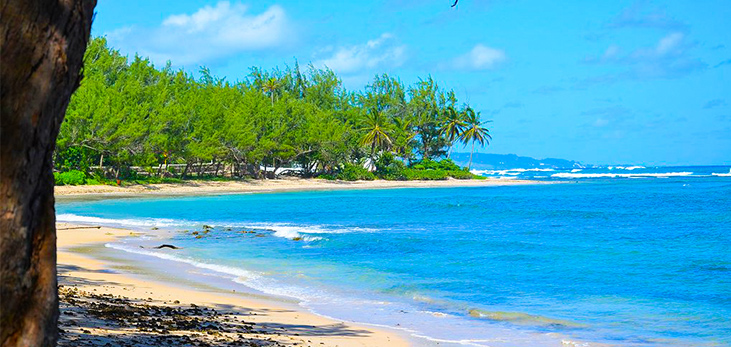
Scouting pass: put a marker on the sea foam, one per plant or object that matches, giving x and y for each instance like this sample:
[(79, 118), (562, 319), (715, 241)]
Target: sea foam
[(128, 222), (508, 172), (290, 231), (621, 175)]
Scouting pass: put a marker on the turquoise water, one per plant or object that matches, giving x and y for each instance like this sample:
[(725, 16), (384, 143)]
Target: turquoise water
[(630, 262)]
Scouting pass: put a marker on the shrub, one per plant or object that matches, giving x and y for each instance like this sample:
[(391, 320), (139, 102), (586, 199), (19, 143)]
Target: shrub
[(428, 164), (449, 165), (75, 158), (460, 174), (73, 177), (93, 182), (425, 164), (352, 172), (389, 168), (126, 173), (156, 180), (431, 175)]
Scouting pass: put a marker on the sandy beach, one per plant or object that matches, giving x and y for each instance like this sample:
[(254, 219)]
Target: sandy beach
[(106, 302), (278, 185), (103, 303)]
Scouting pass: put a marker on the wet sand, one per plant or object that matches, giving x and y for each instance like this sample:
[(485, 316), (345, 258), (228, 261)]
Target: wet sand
[(104, 305)]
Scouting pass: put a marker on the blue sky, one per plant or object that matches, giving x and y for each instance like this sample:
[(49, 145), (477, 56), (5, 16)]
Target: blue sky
[(601, 82)]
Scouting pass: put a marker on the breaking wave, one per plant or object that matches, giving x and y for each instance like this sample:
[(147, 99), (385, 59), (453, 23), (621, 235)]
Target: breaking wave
[(621, 175), (291, 231), (124, 222)]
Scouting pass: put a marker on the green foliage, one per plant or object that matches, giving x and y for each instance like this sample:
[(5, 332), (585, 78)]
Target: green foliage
[(449, 165), (72, 178), (429, 175), (461, 174), (438, 174), (432, 170), (155, 180), (130, 120), (474, 131), (389, 168), (93, 182), (354, 172), (75, 158), (428, 164)]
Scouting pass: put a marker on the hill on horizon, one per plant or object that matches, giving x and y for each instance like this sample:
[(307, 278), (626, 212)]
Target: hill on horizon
[(489, 161)]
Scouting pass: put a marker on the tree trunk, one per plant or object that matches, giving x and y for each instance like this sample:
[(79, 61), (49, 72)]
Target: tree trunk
[(42, 45), (276, 167), (469, 165), (185, 170)]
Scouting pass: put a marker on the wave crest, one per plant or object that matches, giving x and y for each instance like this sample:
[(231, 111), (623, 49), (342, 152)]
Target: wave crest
[(290, 231), (131, 222), (621, 175)]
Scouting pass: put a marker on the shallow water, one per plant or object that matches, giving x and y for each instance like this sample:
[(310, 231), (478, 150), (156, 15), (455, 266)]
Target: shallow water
[(623, 261)]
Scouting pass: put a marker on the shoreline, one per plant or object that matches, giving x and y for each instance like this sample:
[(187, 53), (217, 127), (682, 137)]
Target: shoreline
[(269, 186), (88, 280)]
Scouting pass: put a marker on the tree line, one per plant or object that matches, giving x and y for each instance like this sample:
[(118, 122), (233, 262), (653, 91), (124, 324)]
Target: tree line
[(128, 117)]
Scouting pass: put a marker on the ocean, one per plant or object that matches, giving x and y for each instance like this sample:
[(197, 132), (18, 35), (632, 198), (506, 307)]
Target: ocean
[(625, 256)]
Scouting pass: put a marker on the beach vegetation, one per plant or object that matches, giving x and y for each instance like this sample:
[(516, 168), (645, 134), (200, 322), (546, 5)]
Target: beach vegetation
[(475, 131), (133, 122), (425, 175), (354, 172), (71, 178), (389, 167)]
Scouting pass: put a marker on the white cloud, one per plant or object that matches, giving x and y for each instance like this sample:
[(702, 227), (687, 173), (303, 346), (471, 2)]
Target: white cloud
[(669, 43), (673, 44), (640, 16), (670, 57), (119, 34), (380, 52), (481, 57), (212, 32)]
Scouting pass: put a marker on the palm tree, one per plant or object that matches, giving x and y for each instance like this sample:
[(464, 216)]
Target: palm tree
[(270, 87), (403, 138), (474, 132), (376, 133), (454, 125)]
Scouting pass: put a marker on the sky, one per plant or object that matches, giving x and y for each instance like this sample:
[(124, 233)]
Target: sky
[(600, 82)]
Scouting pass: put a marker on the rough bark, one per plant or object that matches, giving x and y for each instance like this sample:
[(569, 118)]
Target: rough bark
[(42, 43)]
